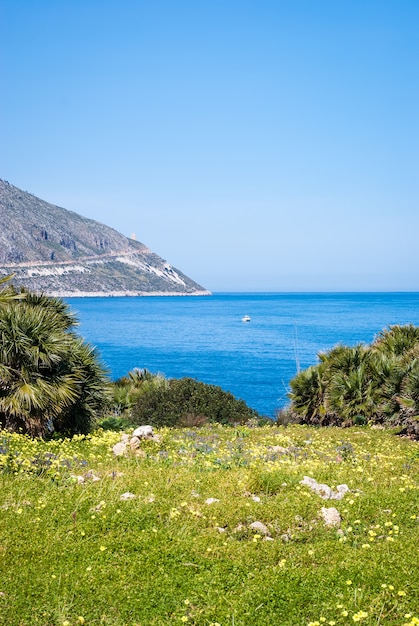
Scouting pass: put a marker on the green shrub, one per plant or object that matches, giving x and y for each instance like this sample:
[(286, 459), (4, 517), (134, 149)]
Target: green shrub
[(126, 390), (378, 383), (188, 401)]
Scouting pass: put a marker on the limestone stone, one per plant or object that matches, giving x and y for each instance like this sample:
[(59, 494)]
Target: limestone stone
[(134, 443), (324, 491), (127, 496), (259, 527), (211, 500), (143, 432), (331, 516), (120, 448)]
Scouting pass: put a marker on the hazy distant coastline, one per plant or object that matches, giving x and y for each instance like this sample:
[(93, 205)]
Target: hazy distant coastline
[(119, 294)]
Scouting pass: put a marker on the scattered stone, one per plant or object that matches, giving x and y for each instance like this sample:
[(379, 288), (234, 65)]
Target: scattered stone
[(143, 432), (125, 437), (331, 516), (278, 449), (80, 479), (255, 498), (220, 529), (90, 475), (259, 527), (239, 528), (285, 537), (127, 496), (211, 500), (342, 489), (324, 491), (134, 443), (267, 539), (120, 448)]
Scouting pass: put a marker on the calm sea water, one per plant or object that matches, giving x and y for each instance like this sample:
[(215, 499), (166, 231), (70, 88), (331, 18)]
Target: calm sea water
[(204, 337)]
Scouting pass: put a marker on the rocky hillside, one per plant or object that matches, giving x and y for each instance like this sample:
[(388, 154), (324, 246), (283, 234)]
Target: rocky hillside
[(61, 253)]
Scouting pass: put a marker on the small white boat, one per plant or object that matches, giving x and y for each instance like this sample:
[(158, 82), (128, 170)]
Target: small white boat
[(246, 318)]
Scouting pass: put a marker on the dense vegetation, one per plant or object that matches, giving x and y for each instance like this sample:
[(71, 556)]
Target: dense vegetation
[(377, 383), (50, 379), (145, 398)]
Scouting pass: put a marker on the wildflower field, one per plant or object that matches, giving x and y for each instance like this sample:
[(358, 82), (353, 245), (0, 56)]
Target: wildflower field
[(210, 527)]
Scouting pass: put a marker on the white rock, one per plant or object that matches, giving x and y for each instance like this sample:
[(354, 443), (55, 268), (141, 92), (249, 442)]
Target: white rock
[(134, 443), (127, 496), (278, 449), (125, 437), (90, 475), (325, 491), (120, 448), (259, 527), (342, 489), (143, 432), (331, 516), (80, 479), (211, 500), (220, 529), (239, 528), (255, 498)]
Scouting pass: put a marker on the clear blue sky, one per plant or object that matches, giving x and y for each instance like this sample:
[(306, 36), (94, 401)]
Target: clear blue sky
[(264, 145)]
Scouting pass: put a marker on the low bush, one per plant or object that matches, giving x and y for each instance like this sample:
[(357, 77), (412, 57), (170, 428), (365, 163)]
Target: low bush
[(188, 401)]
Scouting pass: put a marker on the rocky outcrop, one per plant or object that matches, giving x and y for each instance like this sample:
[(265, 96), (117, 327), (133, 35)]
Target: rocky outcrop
[(61, 253), (131, 443), (324, 491)]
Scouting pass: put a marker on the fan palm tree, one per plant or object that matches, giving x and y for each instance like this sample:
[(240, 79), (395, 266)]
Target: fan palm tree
[(352, 395), (46, 371), (308, 394), (32, 344), (8, 293), (397, 340)]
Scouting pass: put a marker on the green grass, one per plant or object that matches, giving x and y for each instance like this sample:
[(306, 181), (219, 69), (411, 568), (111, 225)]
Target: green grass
[(75, 553)]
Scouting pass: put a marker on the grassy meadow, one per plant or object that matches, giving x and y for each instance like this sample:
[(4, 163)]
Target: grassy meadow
[(178, 548)]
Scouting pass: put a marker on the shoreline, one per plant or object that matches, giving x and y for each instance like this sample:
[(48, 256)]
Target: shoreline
[(121, 294)]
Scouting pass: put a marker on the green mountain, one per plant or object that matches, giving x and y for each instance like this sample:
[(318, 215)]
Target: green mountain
[(61, 253)]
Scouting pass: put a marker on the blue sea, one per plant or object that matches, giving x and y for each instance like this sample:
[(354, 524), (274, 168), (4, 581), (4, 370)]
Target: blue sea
[(204, 337)]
